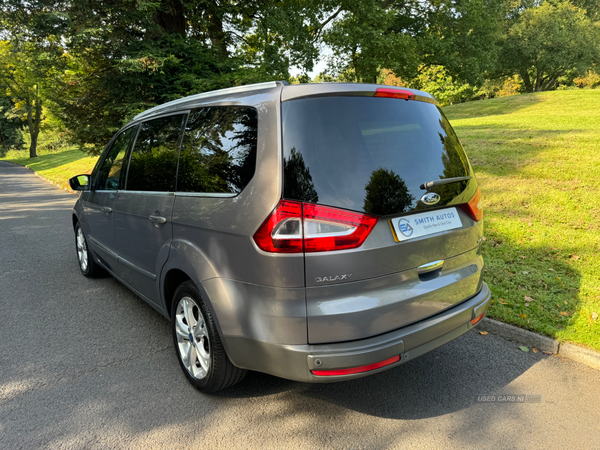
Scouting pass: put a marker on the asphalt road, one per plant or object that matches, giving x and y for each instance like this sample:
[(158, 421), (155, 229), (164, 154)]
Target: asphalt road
[(86, 364)]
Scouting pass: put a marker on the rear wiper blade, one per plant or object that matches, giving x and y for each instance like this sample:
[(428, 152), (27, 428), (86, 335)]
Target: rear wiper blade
[(433, 183)]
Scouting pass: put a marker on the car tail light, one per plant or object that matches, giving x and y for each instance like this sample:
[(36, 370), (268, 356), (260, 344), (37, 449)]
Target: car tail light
[(473, 207), (294, 227), (394, 93), (361, 369)]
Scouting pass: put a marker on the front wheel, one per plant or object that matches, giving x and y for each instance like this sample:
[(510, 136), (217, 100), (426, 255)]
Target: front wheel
[(88, 266), (197, 343)]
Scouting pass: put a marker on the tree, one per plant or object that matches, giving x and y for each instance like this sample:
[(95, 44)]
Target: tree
[(10, 127), (30, 58), (22, 85), (549, 41), (409, 36), (369, 36), (128, 56)]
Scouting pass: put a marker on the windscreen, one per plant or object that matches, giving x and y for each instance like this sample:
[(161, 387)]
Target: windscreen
[(370, 154)]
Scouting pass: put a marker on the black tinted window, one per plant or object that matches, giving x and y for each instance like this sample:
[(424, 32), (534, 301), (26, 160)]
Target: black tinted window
[(369, 154), (218, 153), (111, 175), (153, 163)]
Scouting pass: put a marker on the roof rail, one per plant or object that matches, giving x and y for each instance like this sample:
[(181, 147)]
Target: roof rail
[(232, 90)]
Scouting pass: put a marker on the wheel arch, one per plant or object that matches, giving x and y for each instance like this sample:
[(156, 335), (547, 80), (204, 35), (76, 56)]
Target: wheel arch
[(171, 281)]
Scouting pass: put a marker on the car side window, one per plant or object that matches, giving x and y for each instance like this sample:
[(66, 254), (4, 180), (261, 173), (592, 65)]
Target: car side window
[(218, 151), (153, 164), (111, 174)]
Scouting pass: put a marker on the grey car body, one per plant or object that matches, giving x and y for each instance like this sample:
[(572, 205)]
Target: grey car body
[(293, 315)]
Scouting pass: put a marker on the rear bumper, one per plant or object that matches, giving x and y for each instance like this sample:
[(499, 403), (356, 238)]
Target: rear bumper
[(296, 362)]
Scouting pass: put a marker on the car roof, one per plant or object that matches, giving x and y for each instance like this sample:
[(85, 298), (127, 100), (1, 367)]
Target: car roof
[(289, 92)]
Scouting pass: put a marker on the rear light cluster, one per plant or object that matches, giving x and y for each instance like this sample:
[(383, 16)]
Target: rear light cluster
[(473, 207), (294, 227)]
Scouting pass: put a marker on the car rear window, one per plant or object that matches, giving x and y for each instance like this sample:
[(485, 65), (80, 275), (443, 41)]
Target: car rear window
[(369, 154)]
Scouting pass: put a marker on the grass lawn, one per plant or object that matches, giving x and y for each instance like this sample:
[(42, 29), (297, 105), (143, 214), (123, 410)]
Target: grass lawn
[(57, 167), (537, 159)]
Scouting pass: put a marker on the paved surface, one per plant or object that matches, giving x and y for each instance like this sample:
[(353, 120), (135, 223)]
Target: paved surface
[(86, 364)]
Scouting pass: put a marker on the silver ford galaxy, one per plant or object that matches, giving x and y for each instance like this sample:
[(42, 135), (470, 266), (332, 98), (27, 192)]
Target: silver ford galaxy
[(316, 232)]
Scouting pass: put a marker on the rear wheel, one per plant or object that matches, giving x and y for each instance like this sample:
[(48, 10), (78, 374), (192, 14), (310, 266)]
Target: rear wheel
[(197, 343), (87, 265)]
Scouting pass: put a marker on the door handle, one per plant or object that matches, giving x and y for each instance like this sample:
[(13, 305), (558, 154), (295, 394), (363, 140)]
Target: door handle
[(106, 209), (158, 219)]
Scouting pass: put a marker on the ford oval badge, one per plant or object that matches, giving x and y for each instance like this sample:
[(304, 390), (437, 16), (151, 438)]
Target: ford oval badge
[(430, 198)]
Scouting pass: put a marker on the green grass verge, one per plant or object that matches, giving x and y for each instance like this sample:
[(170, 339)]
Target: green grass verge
[(537, 160), (57, 167)]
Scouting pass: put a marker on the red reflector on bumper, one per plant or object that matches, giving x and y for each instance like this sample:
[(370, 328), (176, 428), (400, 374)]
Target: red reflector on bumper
[(387, 362), (477, 319)]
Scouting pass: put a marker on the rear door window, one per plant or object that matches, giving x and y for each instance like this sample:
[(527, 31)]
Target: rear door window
[(218, 152), (369, 154), (153, 163)]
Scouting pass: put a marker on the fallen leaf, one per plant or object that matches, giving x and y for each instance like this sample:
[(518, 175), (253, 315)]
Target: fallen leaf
[(529, 224), (483, 238), (547, 353), (565, 359), (535, 350), (563, 313), (523, 348), (524, 316), (526, 304), (522, 257), (594, 316), (575, 257), (528, 299), (493, 301), (566, 303), (551, 270), (483, 333)]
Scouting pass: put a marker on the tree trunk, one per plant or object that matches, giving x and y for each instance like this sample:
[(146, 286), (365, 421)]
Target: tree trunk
[(171, 17), (33, 145), (526, 80), (34, 118), (216, 33)]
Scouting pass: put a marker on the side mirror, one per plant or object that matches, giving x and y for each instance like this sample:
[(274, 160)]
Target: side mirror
[(80, 182)]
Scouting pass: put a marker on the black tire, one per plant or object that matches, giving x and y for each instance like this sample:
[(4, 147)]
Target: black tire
[(205, 362), (85, 257)]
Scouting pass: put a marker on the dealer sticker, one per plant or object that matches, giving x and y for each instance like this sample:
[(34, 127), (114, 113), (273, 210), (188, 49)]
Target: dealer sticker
[(423, 224)]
